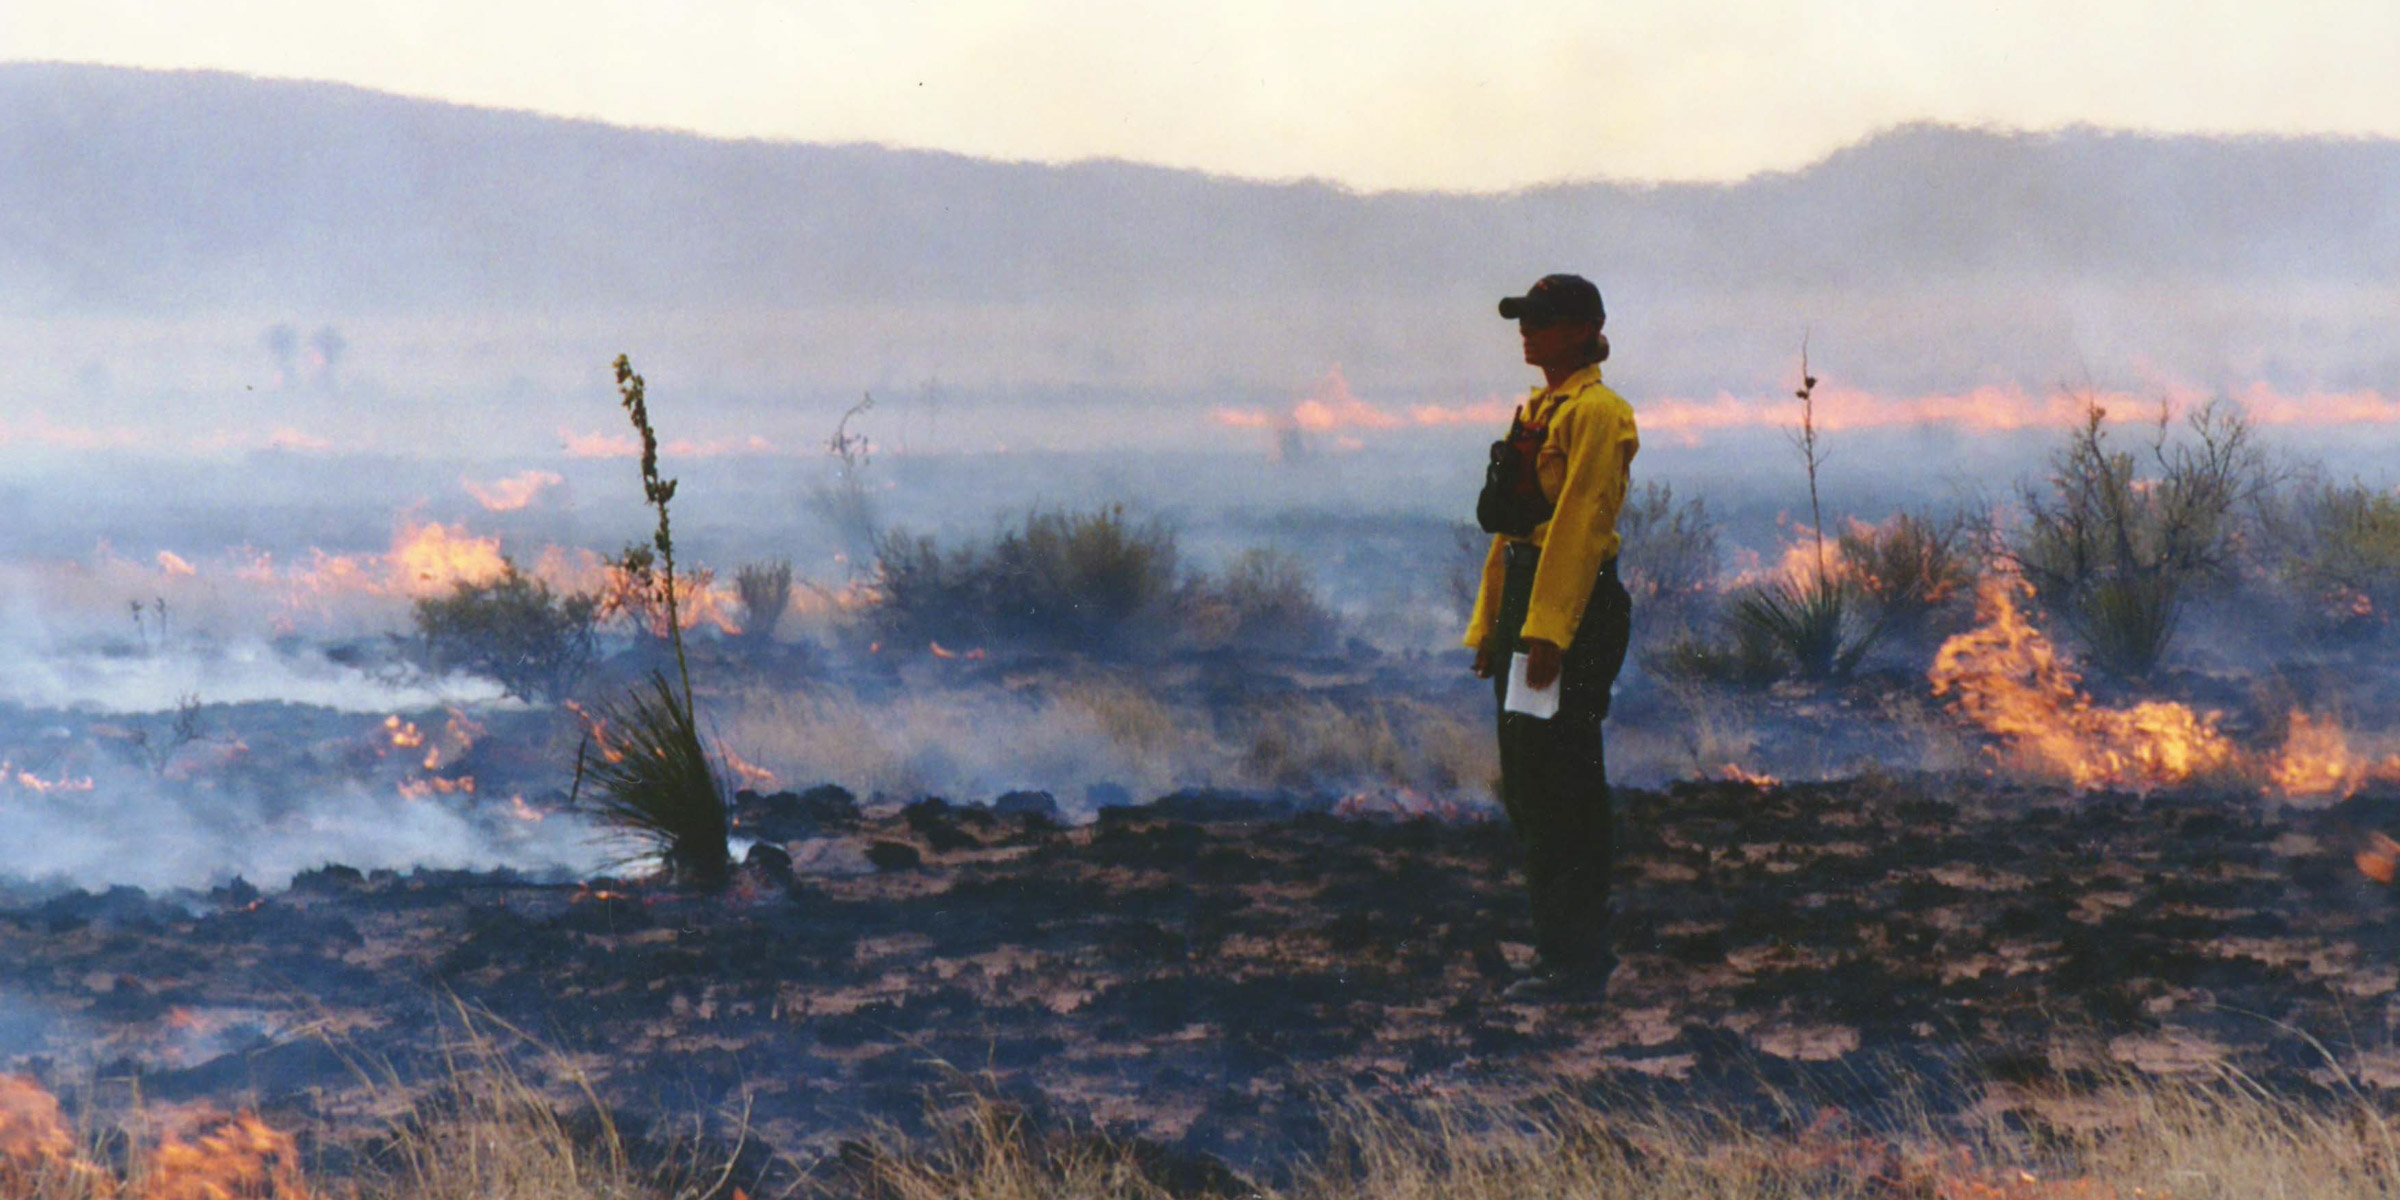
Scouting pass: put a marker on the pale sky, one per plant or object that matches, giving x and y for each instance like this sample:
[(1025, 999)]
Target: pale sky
[(1469, 94)]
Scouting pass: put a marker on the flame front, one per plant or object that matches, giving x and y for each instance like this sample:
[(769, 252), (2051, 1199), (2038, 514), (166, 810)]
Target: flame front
[(35, 1144), (204, 1154), (208, 1155), (2008, 679)]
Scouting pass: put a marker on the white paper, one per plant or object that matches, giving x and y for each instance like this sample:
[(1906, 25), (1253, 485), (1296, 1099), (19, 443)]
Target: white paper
[(1539, 703)]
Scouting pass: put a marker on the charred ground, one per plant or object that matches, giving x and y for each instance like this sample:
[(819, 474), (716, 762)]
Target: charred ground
[(1204, 970)]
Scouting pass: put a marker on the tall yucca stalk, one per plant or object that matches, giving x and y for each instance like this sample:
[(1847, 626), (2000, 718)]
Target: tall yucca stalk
[(653, 780), (657, 490)]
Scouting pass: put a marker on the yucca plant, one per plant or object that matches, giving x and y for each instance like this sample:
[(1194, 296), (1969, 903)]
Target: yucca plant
[(1820, 620), (653, 780), (1824, 624)]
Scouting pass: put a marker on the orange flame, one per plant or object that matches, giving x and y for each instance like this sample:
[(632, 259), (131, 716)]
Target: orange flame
[(404, 734), (753, 776), (204, 1154), (2316, 760), (35, 1144), (209, 1155), (2007, 678), (27, 780), (431, 560), (2380, 861)]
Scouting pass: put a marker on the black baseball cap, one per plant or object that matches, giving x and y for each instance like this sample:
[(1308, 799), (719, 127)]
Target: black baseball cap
[(1557, 300)]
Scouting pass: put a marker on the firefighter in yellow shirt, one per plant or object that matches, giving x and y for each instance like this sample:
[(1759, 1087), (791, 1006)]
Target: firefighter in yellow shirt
[(1550, 592)]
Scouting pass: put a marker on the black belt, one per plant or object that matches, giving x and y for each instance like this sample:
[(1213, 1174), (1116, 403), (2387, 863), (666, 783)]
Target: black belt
[(1526, 554)]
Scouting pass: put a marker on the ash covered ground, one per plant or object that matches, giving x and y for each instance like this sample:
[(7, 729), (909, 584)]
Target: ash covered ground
[(1203, 968)]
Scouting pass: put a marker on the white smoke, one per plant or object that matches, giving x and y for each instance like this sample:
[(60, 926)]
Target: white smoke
[(131, 828)]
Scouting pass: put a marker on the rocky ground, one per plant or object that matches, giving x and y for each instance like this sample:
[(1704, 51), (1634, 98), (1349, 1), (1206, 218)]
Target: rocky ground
[(1204, 971)]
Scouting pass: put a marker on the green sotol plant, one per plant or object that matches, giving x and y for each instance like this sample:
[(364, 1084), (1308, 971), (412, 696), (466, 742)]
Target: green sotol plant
[(653, 779)]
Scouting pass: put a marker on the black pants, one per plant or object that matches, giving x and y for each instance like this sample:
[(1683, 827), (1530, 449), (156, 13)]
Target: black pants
[(1553, 773)]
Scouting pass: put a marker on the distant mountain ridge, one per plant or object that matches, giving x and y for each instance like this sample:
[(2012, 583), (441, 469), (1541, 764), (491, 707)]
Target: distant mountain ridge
[(171, 193)]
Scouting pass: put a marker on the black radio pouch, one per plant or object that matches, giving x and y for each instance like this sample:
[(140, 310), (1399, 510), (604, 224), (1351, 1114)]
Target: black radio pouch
[(1512, 502)]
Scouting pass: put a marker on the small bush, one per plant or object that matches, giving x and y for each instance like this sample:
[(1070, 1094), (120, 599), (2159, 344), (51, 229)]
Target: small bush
[(1094, 581), (1908, 566), (513, 630), (765, 590), (2342, 551), (1264, 602), (1668, 560), (1750, 659)]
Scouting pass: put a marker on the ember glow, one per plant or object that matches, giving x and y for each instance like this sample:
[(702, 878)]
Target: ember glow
[(2007, 678)]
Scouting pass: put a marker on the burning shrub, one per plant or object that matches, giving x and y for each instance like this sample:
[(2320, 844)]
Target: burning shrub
[(513, 630), (765, 590), (2116, 553), (1909, 565), (1060, 580)]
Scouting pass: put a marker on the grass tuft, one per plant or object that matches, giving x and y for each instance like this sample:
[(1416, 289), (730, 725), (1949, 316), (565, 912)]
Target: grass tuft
[(765, 590)]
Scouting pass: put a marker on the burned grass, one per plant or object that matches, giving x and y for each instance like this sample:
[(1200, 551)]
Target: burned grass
[(1200, 974)]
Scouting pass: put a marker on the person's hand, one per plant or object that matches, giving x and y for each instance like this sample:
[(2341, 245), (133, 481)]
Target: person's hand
[(1541, 663), (1483, 663)]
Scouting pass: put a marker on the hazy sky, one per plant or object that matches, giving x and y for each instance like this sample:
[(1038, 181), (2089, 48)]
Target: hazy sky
[(1375, 93)]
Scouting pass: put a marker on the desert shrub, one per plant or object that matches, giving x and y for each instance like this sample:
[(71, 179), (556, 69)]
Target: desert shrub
[(1059, 580), (765, 590), (1908, 566), (2116, 545), (1819, 624), (2341, 550), (513, 630), (1668, 560), (1263, 601), (1749, 658)]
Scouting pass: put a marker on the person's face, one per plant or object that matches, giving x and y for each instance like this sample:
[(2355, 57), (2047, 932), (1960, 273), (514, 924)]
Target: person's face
[(1556, 347)]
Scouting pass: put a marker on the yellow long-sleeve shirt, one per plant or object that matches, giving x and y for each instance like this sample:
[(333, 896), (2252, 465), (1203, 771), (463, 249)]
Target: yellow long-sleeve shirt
[(1585, 466)]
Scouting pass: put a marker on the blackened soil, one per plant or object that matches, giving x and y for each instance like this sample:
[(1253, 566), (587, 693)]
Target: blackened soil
[(1203, 974)]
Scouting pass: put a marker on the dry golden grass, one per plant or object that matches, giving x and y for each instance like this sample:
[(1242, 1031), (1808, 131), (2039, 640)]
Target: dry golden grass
[(489, 1133), (1061, 734)]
